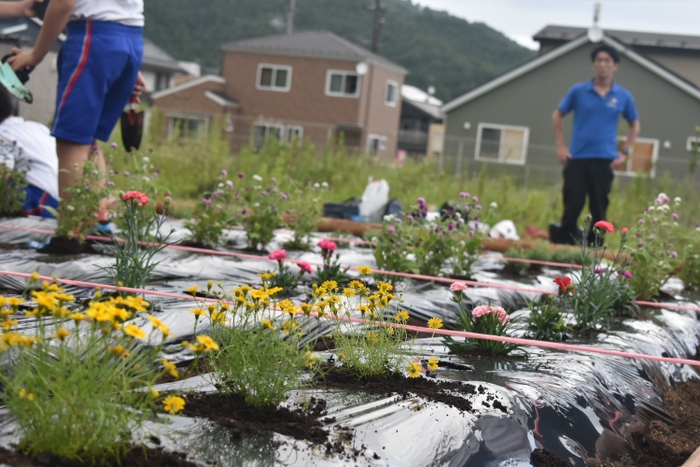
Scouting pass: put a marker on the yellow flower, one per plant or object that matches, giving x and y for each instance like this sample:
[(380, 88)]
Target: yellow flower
[(433, 363), (193, 289), (208, 343), (61, 334), (284, 304), (364, 270), (210, 284), (170, 366), (34, 277), (372, 337), (364, 309), (311, 359), (119, 351), (402, 316), (218, 317), (158, 324), (173, 404), (267, 323), (154, 393), (274, 291), (384, 287), (266, 276), (134, 331), (197, 312), (434, 323), (77, 317), (349, 293), (413, 370), (258, 294), (330, 285), (7, 324), (306, 308), (24, 394)]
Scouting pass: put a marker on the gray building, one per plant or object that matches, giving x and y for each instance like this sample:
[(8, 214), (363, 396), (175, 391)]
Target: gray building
[(506, 123)]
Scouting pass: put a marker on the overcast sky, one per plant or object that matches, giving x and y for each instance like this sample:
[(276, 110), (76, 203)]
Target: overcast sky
[(521, 19)]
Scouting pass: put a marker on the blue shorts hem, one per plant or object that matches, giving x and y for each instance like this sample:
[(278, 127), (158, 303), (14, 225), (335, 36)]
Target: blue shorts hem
[(72, 137)]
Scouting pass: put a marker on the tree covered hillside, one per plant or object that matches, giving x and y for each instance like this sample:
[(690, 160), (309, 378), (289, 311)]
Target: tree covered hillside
[(437, 48)]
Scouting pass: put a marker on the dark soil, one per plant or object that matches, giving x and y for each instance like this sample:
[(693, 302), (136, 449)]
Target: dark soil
[(66, 246), (434, 390), (137, 457), (243, 420), (661, 444), (544, 458)]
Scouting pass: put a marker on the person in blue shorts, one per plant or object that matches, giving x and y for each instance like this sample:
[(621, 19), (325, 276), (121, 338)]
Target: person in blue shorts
[(593, 155), (98, 73), (28, 147)]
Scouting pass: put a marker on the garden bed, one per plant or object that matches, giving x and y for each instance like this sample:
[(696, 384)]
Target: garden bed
[(471, 411)]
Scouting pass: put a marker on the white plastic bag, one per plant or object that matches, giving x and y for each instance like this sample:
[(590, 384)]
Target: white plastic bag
[(374, 200), (505, 229)]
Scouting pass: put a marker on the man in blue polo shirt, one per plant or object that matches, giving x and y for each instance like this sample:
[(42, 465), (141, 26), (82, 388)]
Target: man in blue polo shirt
[(593, 155)]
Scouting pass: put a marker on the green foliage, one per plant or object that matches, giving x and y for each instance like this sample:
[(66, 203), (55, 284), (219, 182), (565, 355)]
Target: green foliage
[(138, 242), (304, 208), (212, 215), (372, 348), (690, 266), (601, 291), (13, 182), (651, 249), (76, 216), (254, 358), (483, 319), (261, 213), (546, 321), (391, 248), (438, 49), (331, 269), (76, 387)]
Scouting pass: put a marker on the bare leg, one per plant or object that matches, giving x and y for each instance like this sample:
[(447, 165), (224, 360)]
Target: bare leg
[(70, 154)]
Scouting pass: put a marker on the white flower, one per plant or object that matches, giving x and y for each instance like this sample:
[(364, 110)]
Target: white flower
[(458, 215), (324, 185), (494, 205), (221, 185), (146, 179), (146, 160), (374, 240), (677, 200), (664, 207), (662, 195), (70, 208), (389, 218), (316, 185), (257, 178), (256, 205)]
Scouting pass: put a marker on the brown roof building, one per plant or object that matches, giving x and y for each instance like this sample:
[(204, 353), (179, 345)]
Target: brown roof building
[(307, 85)]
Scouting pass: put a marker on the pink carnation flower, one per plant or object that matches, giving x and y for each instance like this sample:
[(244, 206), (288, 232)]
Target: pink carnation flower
[(142, 198), (498, 311), (278, 255), (304, 266), (458, 286), (326, 244)]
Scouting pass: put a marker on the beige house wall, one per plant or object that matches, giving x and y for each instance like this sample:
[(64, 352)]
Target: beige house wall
[(384, 119)]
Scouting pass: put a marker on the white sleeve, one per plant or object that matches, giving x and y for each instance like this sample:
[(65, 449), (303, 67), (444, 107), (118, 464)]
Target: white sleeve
[(7, 152)]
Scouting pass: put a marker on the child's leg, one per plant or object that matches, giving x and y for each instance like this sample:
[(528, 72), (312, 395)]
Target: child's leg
[(71, 157)]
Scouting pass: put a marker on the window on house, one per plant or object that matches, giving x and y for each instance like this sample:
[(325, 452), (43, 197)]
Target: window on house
[(263, 131), (391, 93), (342, 83), (642, 158), (501, 143), (693, 144), (375, 143), (186, 127), (295, 133), (274, 77)]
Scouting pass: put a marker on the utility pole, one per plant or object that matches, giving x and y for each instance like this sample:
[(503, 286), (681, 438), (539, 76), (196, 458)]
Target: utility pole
[(290, 16), (378, 23)]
